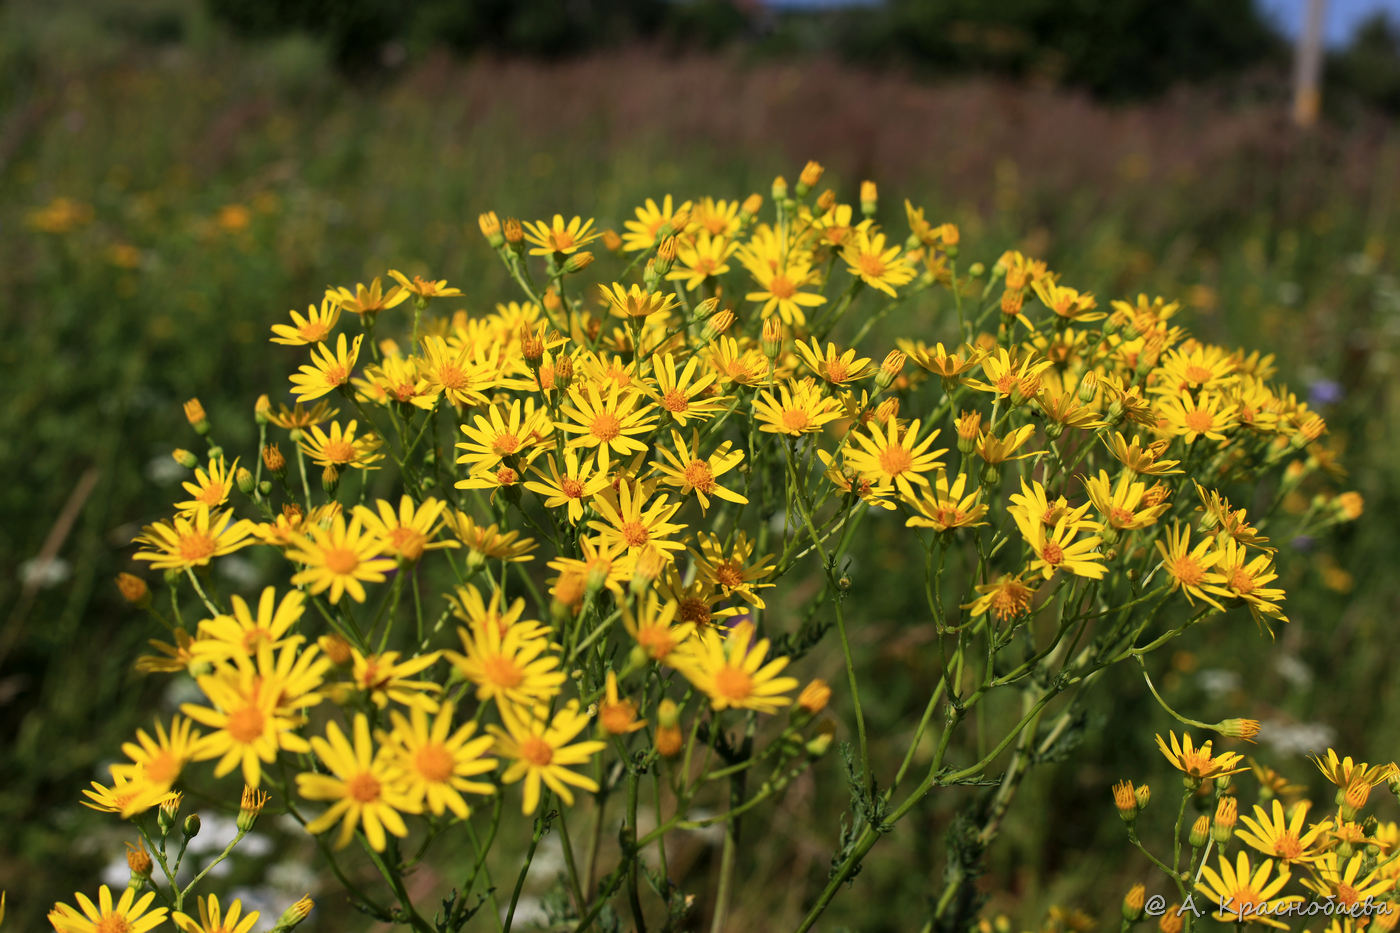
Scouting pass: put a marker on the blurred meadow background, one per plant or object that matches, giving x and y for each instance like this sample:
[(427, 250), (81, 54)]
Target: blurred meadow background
[(175, 175)]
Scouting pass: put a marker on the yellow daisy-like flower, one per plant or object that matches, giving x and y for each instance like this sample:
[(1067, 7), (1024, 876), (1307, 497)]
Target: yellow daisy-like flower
[(539, 752), (328, 370), (559, 237), (397, 379), (1344, 772), (192, 540), (384, 677), (1282, 837), (1008, 597), (617, 716), (1142, 460), (686, 469), (157, 762), (340, 558), (719, 218), (225, 637), (1122, 504), (730, 670), (887, 457), (460, 372), (1344, 884), (945, 507), (653, 626), (1068, 303), (832, 365), (575, 485), (996, 450), (1189, 568), (1244, 578), (780, 288), (1198, 762), (489, 542), (683, 395), (635, 302), (1056, 549), (652, 221), (125, 915), (367, 300), (511, 666), (938, 360), (424, 288), (126, 797), (702, 259), (505, 432), (607, 421), (634, 520), (469, 606), (867, 258), (1210, 416), (1243, 893), (410, 530), (368, 792), (730, 362), (212, 918), (732, 566), (299, 417), (798, 408), (210, 489), (1009, 373), (341, 448), (435, 763), (314, 328)]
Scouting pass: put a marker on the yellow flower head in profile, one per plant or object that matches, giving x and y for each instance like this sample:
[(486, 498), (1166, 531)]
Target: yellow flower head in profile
[(341, 448), (158, 761), (193, 539), (314, 328), (539, 750), (368, 792), (635, 302), (128, 914), (1196, 762), (653, 223), (367, 300), (559, 237), (210, 488), (384, 678), (734, 672)]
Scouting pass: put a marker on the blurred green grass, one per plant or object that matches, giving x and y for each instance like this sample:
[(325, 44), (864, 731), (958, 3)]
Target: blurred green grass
[(219, 184)]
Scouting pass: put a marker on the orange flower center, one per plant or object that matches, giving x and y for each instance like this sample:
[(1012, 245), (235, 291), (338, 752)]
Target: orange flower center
[(695, 610), (1288, 847), (314, 331), (634, 533), (561, 240), (212, 494), (872, 265), (433, 763), (733, 684), (1008, 602), (502, 672), (795, 419), (895, 460), (112, 923), (162, 768), (1242, 582), (1198, 374), (1200, 420), (837, 371), (1187, 570), (336, 374), (656, 641), (782, 287), (536, 751), (1119, 517), (606, 426), (1346, 894), (197, 546), (1052, 554), (675, 401), (507, 476), (729, 574), (505, 444), (406, 540), (699, 475), (341, 561), (363, 787), (617, 717), (338, 451), (571, 488), (245, 724), (451, 376)]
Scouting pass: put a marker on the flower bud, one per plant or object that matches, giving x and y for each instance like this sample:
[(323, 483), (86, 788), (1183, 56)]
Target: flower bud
[(491, 229), (273, 459), (244, 478), (1170, 921), (648, 567), (191, 827), (1125, 800), (1226, 813), (890, 369), (134, 589), (261, 408), (563, 373), (336, 648), (772, 338), (751, 206), (869, 198), (294, 915), (814, 696), (1357, 793), (1245, 729), (1349, 505), (779, 190), (186, 459), (515, 235), (578, 262), (139, 861), (169, 809), (531, 345), (818, 744), (826, 201), (811, 174), (665, 256), (250, 807), (1200, 831), (1144, 797), (194, 414), (330, 479), (717, 324), (977, 270), (611, 241), (969, 426), (1088, 387), (1134, 902), (668, 732)]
